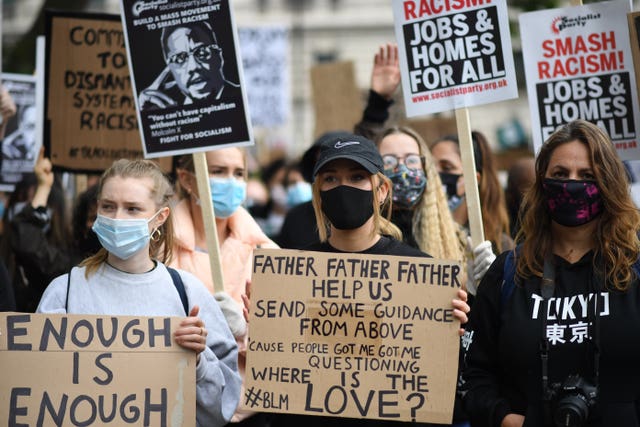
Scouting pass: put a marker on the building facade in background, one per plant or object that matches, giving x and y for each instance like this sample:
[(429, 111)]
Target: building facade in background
[(320, 31)]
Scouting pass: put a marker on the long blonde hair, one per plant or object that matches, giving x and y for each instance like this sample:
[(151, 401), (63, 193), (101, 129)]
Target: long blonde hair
[(381, 209), (433, 227), (161, 193)]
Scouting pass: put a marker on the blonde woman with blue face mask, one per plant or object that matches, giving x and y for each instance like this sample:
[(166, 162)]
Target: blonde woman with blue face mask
[(238, 234), (128, 277)]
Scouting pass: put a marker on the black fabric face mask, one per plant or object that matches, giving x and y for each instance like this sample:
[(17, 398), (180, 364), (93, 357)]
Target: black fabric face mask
[(572, 202), (450, 182), (347, 207)]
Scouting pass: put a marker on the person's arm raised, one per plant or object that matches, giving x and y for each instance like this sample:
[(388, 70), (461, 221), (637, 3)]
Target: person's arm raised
[(385, 76), (44, 174), (385, 79)]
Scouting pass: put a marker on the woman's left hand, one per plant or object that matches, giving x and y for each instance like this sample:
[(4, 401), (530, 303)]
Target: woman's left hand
[(192, 334), (246, 300), (461, 309)]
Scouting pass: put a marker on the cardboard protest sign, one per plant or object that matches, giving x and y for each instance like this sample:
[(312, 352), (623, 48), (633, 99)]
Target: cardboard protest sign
[(351, 335), (20, 146), (634, 33), (578, 65), (186, 75), (336, 97), (453, 54), (266, 63), (89, 107), (90, 370)]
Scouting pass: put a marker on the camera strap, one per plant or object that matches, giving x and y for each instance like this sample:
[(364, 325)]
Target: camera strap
[(546, 290), (595, 337)]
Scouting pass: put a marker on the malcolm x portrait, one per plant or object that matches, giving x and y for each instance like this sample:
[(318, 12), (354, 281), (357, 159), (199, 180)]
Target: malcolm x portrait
[(193, 69)]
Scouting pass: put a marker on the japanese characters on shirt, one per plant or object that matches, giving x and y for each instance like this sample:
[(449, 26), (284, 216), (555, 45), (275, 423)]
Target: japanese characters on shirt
[(568, 318)]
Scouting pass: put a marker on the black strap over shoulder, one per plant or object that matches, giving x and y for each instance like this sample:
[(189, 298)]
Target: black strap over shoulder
[(66, 301), (177, 282), (508, 276)]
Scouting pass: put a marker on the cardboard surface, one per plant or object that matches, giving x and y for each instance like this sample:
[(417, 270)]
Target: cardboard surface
[(94, 370), (90, 111), (634, 37), (336, 99), (350, 335)]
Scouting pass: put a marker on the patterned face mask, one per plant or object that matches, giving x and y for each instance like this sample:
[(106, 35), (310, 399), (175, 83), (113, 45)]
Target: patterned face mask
[(572, 202), (408, 185)]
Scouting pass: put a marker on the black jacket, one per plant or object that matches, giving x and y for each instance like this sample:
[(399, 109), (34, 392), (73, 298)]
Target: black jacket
[(502, 369), (37, 260)]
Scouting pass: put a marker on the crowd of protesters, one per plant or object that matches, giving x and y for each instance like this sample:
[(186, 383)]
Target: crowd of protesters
[(567, 218)]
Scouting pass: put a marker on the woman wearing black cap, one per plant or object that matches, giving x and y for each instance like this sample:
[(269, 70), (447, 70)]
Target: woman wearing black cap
[(351, 197)]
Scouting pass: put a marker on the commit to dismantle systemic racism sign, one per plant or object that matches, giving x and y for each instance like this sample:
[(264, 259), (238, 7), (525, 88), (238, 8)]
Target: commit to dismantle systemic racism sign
[(89, 107), (351, 335), (453, 54), (80, 370), (187, 75), (578, 65)]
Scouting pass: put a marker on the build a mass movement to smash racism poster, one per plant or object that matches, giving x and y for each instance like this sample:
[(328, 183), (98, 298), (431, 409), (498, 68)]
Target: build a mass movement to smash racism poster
[(578, 65), (187, 75)]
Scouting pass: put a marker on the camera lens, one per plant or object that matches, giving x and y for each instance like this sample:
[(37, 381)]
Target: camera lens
[(571, 411)]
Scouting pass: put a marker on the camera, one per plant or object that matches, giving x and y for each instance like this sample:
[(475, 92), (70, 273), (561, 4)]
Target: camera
[(571, 401)]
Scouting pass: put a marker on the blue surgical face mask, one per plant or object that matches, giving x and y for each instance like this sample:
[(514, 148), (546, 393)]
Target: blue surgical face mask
[(122, 237), (227, 195), (300, 192)]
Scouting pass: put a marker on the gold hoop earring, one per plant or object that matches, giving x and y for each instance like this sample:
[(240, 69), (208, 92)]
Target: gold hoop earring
[(155, 235)]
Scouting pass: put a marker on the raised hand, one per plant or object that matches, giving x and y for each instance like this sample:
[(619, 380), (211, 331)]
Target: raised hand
[(385, 76)]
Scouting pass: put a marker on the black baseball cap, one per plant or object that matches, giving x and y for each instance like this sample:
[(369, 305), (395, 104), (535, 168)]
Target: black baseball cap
[(353, 147)]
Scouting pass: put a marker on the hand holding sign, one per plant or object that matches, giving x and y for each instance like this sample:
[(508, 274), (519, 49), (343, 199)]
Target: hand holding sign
[(246, 301), (192, 334), (461, 309)]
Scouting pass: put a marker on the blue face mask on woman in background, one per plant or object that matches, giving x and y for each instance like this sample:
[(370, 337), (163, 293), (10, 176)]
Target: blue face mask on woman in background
[(227, 195), (298, 193), (122, 237)]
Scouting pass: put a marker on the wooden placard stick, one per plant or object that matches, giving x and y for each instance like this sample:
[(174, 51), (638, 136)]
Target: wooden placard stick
[(472, 193), (209, 219)]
